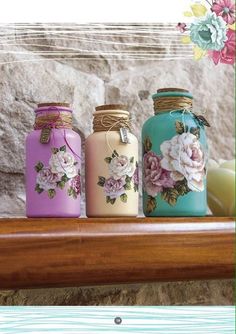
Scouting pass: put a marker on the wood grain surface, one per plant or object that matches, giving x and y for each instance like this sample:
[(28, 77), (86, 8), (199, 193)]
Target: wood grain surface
[(58, 252)]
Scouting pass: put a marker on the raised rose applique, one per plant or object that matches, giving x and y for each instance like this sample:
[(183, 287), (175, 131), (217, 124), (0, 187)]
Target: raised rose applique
[(62, 171), (178, 170), (123, 176)]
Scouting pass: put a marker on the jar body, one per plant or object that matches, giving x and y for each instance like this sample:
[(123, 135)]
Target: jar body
[(111, 175), (174, 165), (53, 174)]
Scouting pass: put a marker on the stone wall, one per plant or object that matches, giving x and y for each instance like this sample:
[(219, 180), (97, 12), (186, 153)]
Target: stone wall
[(30, 74)]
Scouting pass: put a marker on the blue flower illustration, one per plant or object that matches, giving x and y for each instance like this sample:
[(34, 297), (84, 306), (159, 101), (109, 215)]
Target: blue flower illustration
[(209, 32)]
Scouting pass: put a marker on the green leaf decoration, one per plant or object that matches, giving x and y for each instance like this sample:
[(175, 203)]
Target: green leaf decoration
[(127, 186), (115, 154), (101, 181), (112, 200), (136, 164), (147, 145), (38, 189), (63, 148), (39, 166), (54, 150), (182, 187), (135, 187), (170, 195), (51, 193), (70, 191), (108, 199), (124, 198), (108, 160), (128, 179), (180, 128), (61, 184), (151, 204), (65, 178), (131, 160), (195, 132)]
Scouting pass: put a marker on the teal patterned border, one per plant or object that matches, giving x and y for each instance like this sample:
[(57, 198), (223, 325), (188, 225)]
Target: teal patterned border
[(88, 320)]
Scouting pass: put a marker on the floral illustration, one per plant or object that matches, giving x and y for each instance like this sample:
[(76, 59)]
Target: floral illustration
[(212, 32), (62, 171), (123, 176), (178, 170)]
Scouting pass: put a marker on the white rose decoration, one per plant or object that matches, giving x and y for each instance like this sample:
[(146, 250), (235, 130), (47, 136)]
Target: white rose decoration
[(63, 163), (121, 166), (184, 158)]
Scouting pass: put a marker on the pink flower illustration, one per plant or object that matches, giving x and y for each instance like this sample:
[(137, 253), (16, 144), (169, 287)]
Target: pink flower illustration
[(76, 184), (114, 188), (136, 176), (155, 177), (46, 179), (182, 27), (225, 9), (227, 54)]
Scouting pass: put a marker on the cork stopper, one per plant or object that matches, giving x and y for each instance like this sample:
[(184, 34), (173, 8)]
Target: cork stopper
[(54, 104), (163, 90), (111, 107)]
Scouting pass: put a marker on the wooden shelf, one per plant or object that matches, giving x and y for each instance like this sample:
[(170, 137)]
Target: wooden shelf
[(73, 252)]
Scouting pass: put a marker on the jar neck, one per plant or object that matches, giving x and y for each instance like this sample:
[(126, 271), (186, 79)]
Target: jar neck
[(111, 121), (172, 103), (56, 117)]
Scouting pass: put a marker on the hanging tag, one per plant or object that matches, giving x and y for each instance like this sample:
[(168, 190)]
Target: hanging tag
[(124, 136), (45, 135)]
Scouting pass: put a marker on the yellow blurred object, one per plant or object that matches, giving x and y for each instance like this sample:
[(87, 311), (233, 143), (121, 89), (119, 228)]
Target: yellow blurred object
[(221, 188), (198, 9)]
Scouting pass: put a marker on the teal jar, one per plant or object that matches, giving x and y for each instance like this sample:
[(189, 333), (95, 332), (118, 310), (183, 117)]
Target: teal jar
[(174, 157)]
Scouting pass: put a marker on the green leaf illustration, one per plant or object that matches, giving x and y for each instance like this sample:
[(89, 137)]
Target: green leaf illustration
[(39, 166), (38, 189), (201, 120), (135, 187), (110, 200), (180, 128), (131, 160), (65, 178), (147, 144), (63, 148), (127, 186), (151, 204), (115, 154), (182, 187), (61, 184), (124, 198), (101, 181), (195, 132), (51, 193), (108, 159), (54, 150), (170, 195)]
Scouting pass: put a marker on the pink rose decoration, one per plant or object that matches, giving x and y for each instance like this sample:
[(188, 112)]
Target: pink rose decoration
[(225, 9), (155, 177), (114, 188), (227, 54), (46, 179), (76, 184)]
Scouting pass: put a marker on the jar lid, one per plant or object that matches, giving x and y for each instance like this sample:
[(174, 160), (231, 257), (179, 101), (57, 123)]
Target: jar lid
[(111, 107), (54, 104), (172, 92)]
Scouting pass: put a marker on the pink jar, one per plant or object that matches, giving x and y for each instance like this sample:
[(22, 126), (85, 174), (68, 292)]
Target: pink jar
[(53, 152)]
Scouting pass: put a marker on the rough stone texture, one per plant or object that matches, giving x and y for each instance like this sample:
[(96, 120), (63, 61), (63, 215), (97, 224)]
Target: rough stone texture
[(28, 75)]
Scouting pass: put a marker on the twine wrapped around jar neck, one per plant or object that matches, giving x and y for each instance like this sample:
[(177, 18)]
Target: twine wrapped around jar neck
[(110, 122), (170, 103), (53, 117)]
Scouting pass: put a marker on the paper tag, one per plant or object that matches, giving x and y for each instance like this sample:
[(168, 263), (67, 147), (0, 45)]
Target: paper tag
[(124, 136), (45, 135)]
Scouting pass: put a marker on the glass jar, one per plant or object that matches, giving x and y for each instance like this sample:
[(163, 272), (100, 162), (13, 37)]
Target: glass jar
[(111, 165), (174, 157), (53, 163)]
